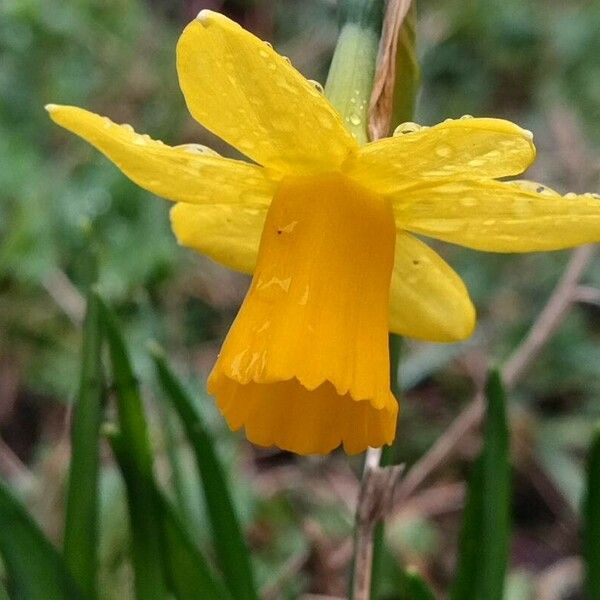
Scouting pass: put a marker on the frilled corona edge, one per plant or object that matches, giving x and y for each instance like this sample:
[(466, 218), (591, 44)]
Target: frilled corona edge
[(440, 182)]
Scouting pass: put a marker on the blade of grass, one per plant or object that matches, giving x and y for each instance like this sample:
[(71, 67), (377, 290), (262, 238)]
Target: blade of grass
[(591, 520), (150, 578), (189, 574), (483, 548), (81, 523), (35, 569), (232, 553), (178, 475)]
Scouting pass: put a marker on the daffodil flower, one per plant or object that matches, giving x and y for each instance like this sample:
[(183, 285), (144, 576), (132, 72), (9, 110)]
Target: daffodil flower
[(327, 228)]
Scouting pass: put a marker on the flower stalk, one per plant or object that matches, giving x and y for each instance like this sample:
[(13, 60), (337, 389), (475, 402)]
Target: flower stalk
[(351, 75)]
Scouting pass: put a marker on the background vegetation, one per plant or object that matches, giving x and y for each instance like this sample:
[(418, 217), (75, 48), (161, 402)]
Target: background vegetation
[(536, 62)]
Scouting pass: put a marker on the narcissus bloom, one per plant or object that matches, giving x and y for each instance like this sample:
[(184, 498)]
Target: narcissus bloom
[(327, 228)]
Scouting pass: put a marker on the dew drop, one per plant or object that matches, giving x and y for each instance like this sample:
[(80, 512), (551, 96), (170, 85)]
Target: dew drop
[(197, 149), (127, 127), (141, 140), (325, 120), (317, 86), (282, 123), (263, 53), (493, 154), (466, 117), (570, 195), (268, 44), (476, 162), (443, 150), (405, 128), (355, 119), (246, 144)]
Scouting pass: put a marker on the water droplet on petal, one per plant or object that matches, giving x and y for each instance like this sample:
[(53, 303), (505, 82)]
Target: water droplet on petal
[(355, 119), (467, 117), (405, 128), (282, 123), (443, 150), (570, 195), (317, 86), (325, 120), (528, 134), (246, 144), (127, 127), (263, 53), (476, 162), (197, 149), (141, 140)]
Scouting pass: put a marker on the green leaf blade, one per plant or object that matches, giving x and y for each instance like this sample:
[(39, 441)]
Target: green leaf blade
[(137, 469), (591, 518), (189, 574), (232, 553), (35, 569), (81, 523), (483, 548)]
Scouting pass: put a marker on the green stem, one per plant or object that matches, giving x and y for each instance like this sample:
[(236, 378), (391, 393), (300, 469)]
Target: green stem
[(350, 80)]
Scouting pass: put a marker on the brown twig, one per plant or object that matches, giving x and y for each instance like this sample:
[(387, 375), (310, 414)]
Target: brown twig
[(586, 294), (66, 295), (442, 449), (376, 496), (550, 318)]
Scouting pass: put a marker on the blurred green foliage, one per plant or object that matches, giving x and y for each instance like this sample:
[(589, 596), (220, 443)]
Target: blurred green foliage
[(534, 61)]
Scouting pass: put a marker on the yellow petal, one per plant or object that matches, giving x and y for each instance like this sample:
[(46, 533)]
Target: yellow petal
[(181, 174), (428, 300), (305, 365), (228, 233), (499, 217), (466, 148), (239, 88)]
